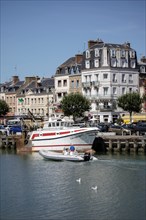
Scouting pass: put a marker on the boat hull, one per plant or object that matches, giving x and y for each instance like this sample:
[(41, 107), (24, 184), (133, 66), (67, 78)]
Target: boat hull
[(51, 155), (81, 140)]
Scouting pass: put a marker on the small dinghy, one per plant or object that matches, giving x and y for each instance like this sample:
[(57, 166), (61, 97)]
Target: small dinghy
[(66, 155)]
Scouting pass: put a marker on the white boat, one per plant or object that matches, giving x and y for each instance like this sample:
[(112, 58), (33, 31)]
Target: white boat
[(57, 134), (52, 155)]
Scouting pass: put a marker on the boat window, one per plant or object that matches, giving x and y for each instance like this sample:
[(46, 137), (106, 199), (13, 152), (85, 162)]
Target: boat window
[(49, 125), (57, 124)]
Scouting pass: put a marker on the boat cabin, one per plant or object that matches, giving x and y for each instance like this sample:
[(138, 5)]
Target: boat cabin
[(57, 124)]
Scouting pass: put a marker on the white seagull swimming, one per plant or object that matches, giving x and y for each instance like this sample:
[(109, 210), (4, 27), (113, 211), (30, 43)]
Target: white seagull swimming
[(94, 188), (79, 180)]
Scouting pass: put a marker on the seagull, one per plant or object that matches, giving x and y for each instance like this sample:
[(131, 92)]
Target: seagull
[(94, 188), (79, 180)]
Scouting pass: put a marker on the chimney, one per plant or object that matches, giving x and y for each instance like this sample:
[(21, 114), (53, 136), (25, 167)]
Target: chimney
[(94, 42), (15, 79), (143, 59), (78, 58), (28, 79), (91, 43), (127, 44)]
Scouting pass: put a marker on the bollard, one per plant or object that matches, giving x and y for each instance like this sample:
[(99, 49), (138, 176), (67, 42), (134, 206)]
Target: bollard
[(118, 145), (127, 148), (135, 145), (110, 145)]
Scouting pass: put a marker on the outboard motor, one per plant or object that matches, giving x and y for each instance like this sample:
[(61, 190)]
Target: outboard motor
[(87, 156)]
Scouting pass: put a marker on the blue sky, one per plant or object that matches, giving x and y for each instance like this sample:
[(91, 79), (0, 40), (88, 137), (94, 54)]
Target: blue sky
[(38, 36)]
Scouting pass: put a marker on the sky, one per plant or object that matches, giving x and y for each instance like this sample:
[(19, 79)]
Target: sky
[(37, 36)]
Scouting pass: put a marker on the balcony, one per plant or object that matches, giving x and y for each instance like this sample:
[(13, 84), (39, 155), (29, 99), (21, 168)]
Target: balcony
[(86, 84), (95, 83)]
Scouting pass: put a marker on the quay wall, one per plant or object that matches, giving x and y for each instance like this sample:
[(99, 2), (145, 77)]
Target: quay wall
[(112, 142)]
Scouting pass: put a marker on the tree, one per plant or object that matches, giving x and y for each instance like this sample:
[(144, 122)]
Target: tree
[(130, 102), (75, 104), (4, 108)]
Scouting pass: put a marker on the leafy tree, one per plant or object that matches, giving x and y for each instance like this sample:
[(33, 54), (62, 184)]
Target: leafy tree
[(4, 108), (130, 102), (75, 104)]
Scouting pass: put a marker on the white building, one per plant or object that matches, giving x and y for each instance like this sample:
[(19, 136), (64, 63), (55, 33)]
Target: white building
[(108, 71)]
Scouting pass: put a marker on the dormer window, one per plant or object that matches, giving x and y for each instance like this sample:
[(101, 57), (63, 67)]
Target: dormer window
[(122, 53), (87, 54), (113, 62), (133, 64), (123, 64), (142, 69), (132, 54), (113, 53), (96, 52)]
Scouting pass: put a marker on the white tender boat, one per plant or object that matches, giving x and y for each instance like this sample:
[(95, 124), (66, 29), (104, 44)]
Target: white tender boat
[(57, 134), (52, 155)]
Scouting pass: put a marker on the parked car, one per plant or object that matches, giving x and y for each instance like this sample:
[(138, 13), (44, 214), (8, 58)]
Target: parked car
[(3, 129), (103, 127), (15, 129), (140, 127), (118, 129), (135, 128)]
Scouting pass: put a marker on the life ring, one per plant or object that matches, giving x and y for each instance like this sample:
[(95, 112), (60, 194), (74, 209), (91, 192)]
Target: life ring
[(26, 142)]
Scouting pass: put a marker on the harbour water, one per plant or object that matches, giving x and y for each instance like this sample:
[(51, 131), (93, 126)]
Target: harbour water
[(32, 188)]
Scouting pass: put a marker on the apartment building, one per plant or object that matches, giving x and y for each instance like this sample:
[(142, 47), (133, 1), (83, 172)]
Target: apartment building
[(37, 97), (68, 77), (108, 71)]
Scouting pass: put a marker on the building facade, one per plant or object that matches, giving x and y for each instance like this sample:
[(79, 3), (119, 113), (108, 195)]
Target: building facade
[(108, 71)]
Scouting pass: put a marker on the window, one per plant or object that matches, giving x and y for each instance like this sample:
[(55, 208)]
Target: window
[(97, 91), (59, 95), (96, 63), (65, 82), (72, 84), (114, 78), (77, 84), (122, 53), (96, 52), (113, 53), (123, 64), (142, 69), (130, 89), (59, 83), (132, 64), (87, 64), (130, 78), (113, 62), (105, 90), (123, 78), (132, 54), (96, 77), (123, 91), (87, 54), (105, 104), (105, 76), (114, 90)]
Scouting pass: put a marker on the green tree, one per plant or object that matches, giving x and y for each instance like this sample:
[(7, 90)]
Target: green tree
[(75, 104), (130, 102), (4, 108)]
